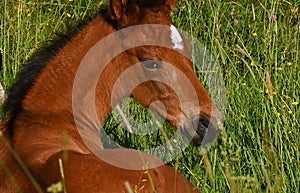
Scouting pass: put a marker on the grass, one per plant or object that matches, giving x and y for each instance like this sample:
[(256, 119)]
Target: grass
[(256, 44)]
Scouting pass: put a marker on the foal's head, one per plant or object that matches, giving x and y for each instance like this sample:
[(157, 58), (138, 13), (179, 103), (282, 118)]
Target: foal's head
[(163, 69)]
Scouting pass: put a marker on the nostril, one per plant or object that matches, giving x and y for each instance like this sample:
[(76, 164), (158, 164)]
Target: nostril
[(201, 125), (204, 121), (207, 129)]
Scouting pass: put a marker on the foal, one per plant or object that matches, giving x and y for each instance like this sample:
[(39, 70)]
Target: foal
[(41, 103)]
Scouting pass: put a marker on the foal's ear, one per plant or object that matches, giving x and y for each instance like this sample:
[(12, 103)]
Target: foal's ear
[(170, 4), (117, 8), (121, 10), (126, 12)]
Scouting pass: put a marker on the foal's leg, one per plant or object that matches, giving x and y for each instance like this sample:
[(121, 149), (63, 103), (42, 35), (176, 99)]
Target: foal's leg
[(87, 173)]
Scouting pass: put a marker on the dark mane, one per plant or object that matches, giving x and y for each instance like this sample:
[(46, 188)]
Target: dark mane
[(35, 65)]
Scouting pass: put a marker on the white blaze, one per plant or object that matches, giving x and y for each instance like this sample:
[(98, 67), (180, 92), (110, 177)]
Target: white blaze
[(176, 38)]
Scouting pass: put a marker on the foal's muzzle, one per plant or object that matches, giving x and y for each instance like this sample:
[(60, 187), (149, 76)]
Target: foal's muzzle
[(202, 130)]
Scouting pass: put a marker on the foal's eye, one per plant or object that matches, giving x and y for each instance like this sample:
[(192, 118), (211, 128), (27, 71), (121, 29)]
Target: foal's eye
[(151, 64)]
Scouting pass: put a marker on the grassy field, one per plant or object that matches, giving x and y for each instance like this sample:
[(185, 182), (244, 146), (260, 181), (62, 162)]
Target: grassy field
[(256, 44)]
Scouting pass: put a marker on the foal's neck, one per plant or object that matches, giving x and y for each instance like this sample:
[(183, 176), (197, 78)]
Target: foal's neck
[(52, 90)]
